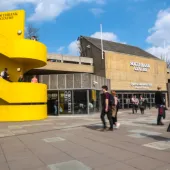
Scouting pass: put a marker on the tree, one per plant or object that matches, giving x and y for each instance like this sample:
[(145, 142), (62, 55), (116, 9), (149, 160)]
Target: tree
[(31, 31), (166, 60)]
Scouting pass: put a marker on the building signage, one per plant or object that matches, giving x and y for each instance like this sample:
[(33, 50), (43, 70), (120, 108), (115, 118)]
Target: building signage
[(8, 15), (141, 85), (68, 100), (140, 66), (52, 96)]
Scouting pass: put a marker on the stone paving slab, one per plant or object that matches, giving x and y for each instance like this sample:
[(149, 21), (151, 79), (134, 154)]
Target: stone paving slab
[(62, 143)]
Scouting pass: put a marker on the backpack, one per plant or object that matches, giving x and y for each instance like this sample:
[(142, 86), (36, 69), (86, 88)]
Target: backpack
[(111, 100)]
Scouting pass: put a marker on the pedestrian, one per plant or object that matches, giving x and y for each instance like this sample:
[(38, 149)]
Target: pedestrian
[(135, 103), (107, 102), (21, 78), (34, 79), (159, 102), (115, 109), (34, 38), (141, 104), (4, 74), (55, 107)]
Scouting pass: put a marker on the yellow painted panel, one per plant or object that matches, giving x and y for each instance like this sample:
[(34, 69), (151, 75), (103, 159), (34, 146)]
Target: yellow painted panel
[(16, 52), (11, 22), (23, 92), (23, 112)]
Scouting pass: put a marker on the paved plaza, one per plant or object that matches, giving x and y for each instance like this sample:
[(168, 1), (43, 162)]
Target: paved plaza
[(77, 143)]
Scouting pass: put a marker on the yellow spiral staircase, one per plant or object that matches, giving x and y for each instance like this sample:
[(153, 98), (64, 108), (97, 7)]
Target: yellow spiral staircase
[(20, 101)]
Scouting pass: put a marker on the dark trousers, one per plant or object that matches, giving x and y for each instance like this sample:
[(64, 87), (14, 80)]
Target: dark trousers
[(159, 117), (109, 116), (142, 110), (134, 108), (114, 119)]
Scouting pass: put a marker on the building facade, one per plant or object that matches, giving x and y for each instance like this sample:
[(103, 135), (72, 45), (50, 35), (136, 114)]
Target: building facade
[(131, 70), (74, 83), (77, 93)]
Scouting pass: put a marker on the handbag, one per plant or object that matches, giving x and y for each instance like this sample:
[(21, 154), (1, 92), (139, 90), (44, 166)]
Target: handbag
[(113, 111), (168, 130)]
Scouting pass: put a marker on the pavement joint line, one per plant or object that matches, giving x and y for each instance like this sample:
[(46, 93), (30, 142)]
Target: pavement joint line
[(4, 156), (127, 150), (60, 128), (120, 161)]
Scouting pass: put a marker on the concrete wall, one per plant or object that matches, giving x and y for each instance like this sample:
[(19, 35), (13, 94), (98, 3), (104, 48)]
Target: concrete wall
[(68, 67), (73, 81), (120, 72), (95, 53)]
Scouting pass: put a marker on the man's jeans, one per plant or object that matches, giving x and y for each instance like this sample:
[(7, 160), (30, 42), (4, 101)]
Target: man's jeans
[(134, 108), (109, 116)]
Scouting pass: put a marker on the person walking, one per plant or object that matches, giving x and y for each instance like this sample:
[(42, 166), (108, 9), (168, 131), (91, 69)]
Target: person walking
[(135, 103), (141, 104), (159, 102), (115, 108), (107, 102)]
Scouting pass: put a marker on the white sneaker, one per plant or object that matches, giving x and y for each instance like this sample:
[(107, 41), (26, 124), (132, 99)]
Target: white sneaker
[(117, 125)]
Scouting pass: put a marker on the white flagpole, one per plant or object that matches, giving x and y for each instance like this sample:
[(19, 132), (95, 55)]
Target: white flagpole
[(101, 40), (164, 51)]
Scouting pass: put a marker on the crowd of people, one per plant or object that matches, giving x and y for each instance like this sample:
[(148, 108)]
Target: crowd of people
[(111, 103)]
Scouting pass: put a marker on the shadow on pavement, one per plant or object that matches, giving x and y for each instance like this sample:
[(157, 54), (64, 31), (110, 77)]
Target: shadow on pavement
[(155, 137), (94, 127)]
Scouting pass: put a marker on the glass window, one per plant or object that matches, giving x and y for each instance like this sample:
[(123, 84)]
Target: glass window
[(80, 101), (52, 103), (92, 101), (152, 95), (65, 102)]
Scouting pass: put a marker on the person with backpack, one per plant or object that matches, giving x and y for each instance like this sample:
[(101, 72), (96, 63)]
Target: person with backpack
[(115, 109), (107, 102), (159, 102), (142, 104)]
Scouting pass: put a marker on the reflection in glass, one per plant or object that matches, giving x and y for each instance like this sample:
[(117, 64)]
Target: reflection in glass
[(65, 102), (80, 101)]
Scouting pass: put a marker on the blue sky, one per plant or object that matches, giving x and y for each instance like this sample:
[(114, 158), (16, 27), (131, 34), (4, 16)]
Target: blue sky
[(143, 23)]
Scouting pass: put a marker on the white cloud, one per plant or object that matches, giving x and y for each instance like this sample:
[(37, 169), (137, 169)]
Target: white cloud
[(97, 11), (45, 9), (106, 36), (60, 49), (73, 46), (159, 36)]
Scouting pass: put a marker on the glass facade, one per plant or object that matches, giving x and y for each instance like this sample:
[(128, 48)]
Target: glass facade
[(88, 101), (125, 99), (74, 102)]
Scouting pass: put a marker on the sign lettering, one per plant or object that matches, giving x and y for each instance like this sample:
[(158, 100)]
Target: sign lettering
[(141, 67), (68, 100), (8, 15), (141, 85)]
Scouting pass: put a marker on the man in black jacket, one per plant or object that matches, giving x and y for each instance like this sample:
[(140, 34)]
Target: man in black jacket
[(159, 101)]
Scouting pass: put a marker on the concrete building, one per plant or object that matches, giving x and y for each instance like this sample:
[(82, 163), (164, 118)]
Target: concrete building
[(75, 82), (130, 69)]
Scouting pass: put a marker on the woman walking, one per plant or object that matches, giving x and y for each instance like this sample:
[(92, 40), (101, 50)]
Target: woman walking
[(115, 109), (141, 104)]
